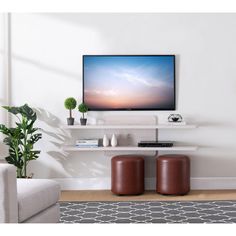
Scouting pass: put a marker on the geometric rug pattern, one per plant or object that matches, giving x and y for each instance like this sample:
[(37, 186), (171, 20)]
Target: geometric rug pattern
[(149, 212)]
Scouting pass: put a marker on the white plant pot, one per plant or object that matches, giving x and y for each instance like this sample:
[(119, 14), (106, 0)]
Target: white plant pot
[(105, 141), (113, 141)]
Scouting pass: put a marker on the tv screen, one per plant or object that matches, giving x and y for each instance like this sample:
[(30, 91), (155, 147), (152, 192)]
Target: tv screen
[(129, 82)]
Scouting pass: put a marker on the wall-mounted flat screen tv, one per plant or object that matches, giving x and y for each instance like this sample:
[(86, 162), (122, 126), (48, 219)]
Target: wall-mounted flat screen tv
[(129, 82)]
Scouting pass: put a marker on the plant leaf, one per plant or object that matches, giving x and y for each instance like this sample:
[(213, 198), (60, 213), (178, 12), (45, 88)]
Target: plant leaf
[(13, 110), (34, 138), (4, 129)]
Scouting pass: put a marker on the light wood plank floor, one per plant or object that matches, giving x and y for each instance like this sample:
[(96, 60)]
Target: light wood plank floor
[(106, 195)]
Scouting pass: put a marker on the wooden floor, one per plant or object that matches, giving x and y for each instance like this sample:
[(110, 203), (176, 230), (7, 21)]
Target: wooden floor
[(106, 195)]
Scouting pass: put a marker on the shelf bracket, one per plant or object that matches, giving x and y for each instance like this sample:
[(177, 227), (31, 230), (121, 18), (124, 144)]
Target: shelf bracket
[(156, 138)]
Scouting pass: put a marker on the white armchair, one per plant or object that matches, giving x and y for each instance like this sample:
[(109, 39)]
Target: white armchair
[(27, 200)]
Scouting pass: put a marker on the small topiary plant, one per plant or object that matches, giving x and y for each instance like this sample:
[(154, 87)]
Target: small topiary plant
[(83, 108), (70, 104)]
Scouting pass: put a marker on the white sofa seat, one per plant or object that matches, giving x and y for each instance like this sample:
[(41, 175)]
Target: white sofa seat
[(27, 200), (35, 195)]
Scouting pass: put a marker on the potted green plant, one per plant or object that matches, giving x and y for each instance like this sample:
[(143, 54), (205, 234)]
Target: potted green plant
[(21, 139), (70, 104), (83, 108)]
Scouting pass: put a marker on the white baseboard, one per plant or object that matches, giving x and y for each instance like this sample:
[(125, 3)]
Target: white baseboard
[(212, 183), (203, 183), (84, 183)]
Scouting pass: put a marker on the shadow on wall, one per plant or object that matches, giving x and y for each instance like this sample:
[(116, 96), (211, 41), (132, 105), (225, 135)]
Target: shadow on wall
[(58, 137), (111, 35), (43, 66)]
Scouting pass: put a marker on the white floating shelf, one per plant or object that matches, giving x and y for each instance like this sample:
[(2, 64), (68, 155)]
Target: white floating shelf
[(130, 148), (166, 126)]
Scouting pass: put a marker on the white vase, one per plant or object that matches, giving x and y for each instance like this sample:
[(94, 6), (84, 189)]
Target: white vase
[(113, 140), (105, 141)]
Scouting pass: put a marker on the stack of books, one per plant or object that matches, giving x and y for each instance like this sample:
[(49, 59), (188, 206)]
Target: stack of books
[(86, 143)]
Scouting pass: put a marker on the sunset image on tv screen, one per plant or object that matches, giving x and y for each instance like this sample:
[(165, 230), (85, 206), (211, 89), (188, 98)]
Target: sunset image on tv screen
[(129, 82)]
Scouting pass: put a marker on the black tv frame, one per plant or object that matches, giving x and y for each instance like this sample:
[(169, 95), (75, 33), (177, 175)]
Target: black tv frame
[(132, 109)]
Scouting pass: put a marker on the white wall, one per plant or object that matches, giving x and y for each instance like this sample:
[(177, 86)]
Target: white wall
[(3, 78), (2, 84), (46, 68)]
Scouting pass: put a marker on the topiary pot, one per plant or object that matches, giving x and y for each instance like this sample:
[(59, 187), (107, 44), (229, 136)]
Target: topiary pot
[(83, 121), (70, 121)]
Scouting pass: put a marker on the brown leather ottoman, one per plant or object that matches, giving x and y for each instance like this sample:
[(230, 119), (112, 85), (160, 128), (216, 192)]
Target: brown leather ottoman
[(173, 174), (127, 175)]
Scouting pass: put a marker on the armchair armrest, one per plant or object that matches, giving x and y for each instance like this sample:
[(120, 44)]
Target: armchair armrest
[(8, 194)]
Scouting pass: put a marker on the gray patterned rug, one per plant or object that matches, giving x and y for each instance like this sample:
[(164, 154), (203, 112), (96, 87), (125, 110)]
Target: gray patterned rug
[(149, 212)]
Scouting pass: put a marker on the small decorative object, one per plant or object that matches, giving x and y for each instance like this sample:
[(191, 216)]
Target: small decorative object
[(21, 139), (70, 104), (105, 141), (175, 118), (113, 140), (83, 108)]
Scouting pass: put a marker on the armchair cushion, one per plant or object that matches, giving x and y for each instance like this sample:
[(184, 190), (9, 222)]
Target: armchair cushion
[(35, 195)]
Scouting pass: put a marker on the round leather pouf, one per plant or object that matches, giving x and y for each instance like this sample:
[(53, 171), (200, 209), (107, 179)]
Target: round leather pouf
[(127, 175), (173, 174)]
